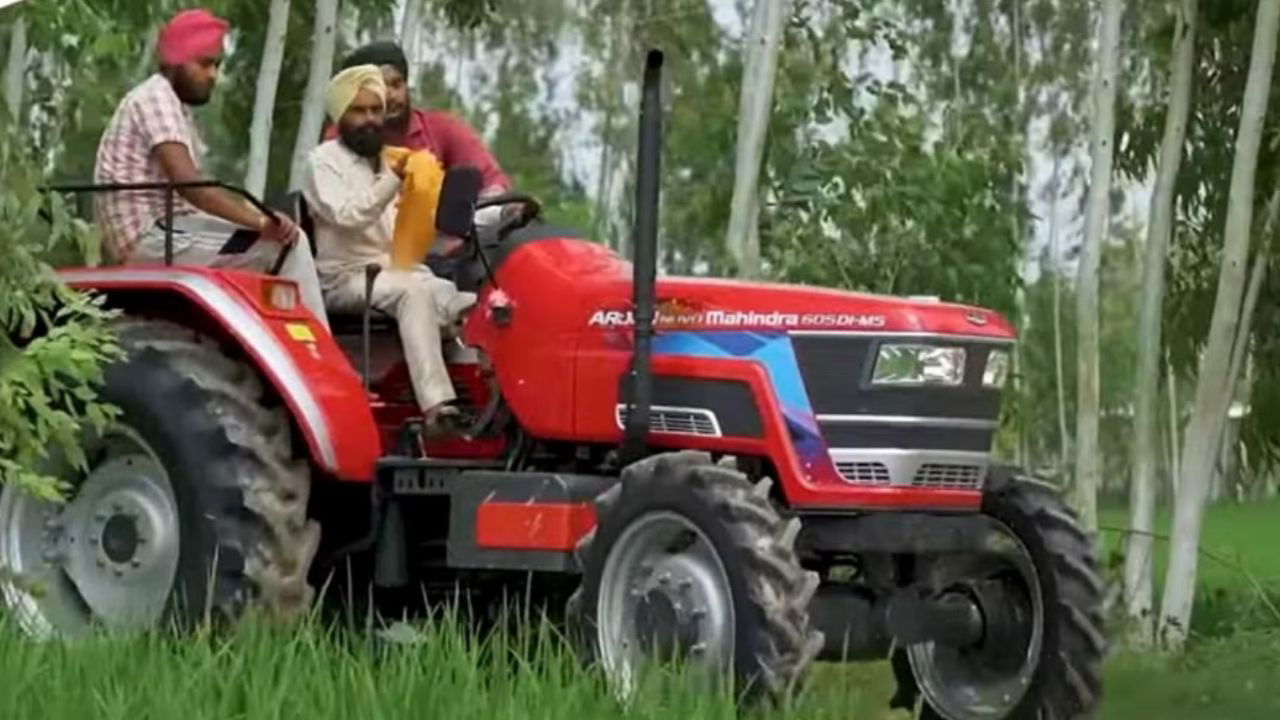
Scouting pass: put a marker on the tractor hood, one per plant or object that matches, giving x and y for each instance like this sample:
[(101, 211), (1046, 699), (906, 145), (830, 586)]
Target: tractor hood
[(713, 304), (588, 286)]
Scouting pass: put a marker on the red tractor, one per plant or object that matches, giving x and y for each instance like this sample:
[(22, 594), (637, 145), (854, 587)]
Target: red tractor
[(750, 476)]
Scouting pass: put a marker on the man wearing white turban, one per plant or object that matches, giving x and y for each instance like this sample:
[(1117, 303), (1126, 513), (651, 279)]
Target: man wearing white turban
[(352, 195)]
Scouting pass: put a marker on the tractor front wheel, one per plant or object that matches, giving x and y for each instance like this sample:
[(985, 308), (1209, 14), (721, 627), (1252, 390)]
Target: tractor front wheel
[(192, 505), (689, 560), (1040, 598)]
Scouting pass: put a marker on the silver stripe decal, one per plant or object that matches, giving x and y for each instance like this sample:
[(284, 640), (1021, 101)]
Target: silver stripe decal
[(252, 331), (910, 421), (902, 334)]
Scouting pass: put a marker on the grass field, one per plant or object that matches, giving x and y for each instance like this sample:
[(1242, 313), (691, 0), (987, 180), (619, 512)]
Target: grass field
[(314, 674), (1239, 562)]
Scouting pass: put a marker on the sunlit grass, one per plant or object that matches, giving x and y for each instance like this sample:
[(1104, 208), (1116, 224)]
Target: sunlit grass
[(312, 673), (441, 669)]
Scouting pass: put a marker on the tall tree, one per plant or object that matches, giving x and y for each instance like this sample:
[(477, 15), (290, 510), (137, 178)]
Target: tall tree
[(1097, 212), (1199, 450), (410, 29), (264, 101), (324, 37), (761, 44), (1064, 436), (1142, 488), (15, 71)]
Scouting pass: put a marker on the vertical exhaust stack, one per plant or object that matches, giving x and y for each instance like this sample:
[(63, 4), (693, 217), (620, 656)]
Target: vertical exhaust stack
[(645, 257)]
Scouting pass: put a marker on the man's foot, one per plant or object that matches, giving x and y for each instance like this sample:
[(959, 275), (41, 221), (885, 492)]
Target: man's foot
[(443, 420)]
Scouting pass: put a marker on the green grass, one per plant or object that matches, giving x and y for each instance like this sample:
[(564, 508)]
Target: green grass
[(312, 673), (1238, 575), (1246, 535)]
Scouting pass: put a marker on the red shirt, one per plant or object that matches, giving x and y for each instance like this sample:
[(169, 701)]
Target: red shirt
[(451, 141)]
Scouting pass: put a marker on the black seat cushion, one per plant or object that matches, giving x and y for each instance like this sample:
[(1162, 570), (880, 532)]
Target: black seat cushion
[(346, 323)]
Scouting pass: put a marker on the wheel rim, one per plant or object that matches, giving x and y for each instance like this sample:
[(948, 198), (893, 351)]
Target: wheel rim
[(663, 593), (108, 556), (989, 680)]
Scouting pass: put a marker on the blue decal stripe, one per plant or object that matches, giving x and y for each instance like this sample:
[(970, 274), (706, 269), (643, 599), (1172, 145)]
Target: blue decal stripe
[(774, 352)]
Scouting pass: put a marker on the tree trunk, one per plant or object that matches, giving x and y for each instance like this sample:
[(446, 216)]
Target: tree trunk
[(1175, 428), (1064, 437), (1015, 191), (600, 221), (15, 72), (264, 100), (312, 121), (760, 51), (1142, 487), (1214, 381), (1097, 212), (410, 28), (1228, 431)]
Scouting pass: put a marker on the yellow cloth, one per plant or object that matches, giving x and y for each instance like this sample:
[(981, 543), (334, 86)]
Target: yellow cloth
[(415, 228), (344, 87)]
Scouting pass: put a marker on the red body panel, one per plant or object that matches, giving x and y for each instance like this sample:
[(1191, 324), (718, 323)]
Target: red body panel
[(301, 360), (533, 526), (568, 340), (558, 358)]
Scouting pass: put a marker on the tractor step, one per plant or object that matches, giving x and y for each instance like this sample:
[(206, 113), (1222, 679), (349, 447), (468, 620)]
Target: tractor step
[(500, 520)]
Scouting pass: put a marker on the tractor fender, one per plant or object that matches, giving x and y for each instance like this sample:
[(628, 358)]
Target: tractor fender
[(300, 360)]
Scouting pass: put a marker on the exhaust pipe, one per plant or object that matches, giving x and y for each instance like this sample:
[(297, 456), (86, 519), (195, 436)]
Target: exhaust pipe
[(644, 258)]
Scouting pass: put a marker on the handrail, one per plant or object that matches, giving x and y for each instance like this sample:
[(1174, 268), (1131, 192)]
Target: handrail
[(169, 188)]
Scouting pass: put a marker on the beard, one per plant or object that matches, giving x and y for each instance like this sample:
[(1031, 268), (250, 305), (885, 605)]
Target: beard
[(398, 122), (189, 91), (365, 140)]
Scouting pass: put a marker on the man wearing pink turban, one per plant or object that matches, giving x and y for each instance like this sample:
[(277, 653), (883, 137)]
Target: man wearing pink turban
[(153, 138)]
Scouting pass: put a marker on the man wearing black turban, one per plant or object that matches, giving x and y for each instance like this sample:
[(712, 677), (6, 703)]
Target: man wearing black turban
[(446, 136)]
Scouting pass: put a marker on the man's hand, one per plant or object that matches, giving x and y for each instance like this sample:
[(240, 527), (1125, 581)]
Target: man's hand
[(449, 245), (281, 230), (400, 165)]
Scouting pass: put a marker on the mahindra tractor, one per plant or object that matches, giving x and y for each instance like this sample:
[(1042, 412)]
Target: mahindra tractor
[(749, 477)]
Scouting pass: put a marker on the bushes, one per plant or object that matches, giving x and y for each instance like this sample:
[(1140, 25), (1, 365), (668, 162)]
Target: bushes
[(54, 342)]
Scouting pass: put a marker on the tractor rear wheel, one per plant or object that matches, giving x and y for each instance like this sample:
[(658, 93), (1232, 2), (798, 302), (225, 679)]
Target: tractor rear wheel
[(690, 561), (193, 505), (1040, 598)]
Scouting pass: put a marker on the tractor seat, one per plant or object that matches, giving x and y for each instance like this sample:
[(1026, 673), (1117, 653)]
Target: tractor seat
[(349, 323)]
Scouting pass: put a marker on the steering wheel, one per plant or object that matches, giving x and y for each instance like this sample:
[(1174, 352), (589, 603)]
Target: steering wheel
[(529, 211)]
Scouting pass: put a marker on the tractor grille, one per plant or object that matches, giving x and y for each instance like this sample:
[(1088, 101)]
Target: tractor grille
[(837, 376), (934, 475), (677, 421), (864, 473)]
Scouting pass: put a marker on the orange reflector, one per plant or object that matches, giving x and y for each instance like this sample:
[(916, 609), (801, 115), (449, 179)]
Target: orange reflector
[(533, 526)]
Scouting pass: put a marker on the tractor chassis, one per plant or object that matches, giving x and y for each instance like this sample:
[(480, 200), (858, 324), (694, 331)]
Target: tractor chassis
[(523, 522), (895, 598)]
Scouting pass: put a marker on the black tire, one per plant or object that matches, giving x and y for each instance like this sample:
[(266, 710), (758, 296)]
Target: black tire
[(773, 643), (241, 494), (1067, 684)]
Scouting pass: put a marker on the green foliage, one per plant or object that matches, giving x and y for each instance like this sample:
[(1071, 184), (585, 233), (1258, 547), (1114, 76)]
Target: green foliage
[(525, 139), (1220, 71), (74, 96), (54, 342), (902, 202)]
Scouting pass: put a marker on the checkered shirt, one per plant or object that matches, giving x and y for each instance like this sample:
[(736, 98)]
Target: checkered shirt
[(149, 115)]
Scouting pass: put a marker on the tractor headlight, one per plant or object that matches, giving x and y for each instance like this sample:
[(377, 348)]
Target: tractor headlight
[(898, 364), (997, 370), (280, 295)]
